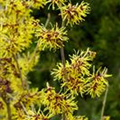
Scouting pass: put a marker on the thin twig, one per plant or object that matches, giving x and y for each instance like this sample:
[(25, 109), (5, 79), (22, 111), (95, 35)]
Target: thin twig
[(21, 78), (24, 108), (62, 56), (63, 62), (104, 103), (48, 20), (35, 52), (37, 46)]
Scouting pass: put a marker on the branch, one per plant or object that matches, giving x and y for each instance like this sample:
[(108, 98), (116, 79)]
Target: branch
[(104, 103), (63, 62), (37, 46), (62, 56), (21, 78), (48, 19)]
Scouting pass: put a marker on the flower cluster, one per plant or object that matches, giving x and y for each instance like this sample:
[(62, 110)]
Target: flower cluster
[(76, 75), (74, 14), (31, 115), (71, 14), (38, 3), (34, 116), (24, 105), (16, 29), (97, 83), (26, 99), (24, 3), (59, 103), (59, 3), (51, 38)]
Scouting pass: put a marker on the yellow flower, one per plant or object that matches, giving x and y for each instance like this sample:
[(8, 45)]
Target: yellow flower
[(59, 3), (61, 72), (1, 1), (58, 103), (39, 117), (74, 74), (4, 87), (98, 83), (74, 14), (19, 115), (106, 118), (36, 115), (16, 28), (51, 38), (38, 3), (27, 99), (3, 109), (80, 62)]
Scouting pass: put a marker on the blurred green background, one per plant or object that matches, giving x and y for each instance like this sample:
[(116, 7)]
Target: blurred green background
[(101, 33)]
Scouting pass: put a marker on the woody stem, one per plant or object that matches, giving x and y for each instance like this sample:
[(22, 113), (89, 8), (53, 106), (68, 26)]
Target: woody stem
[(104, 103)]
